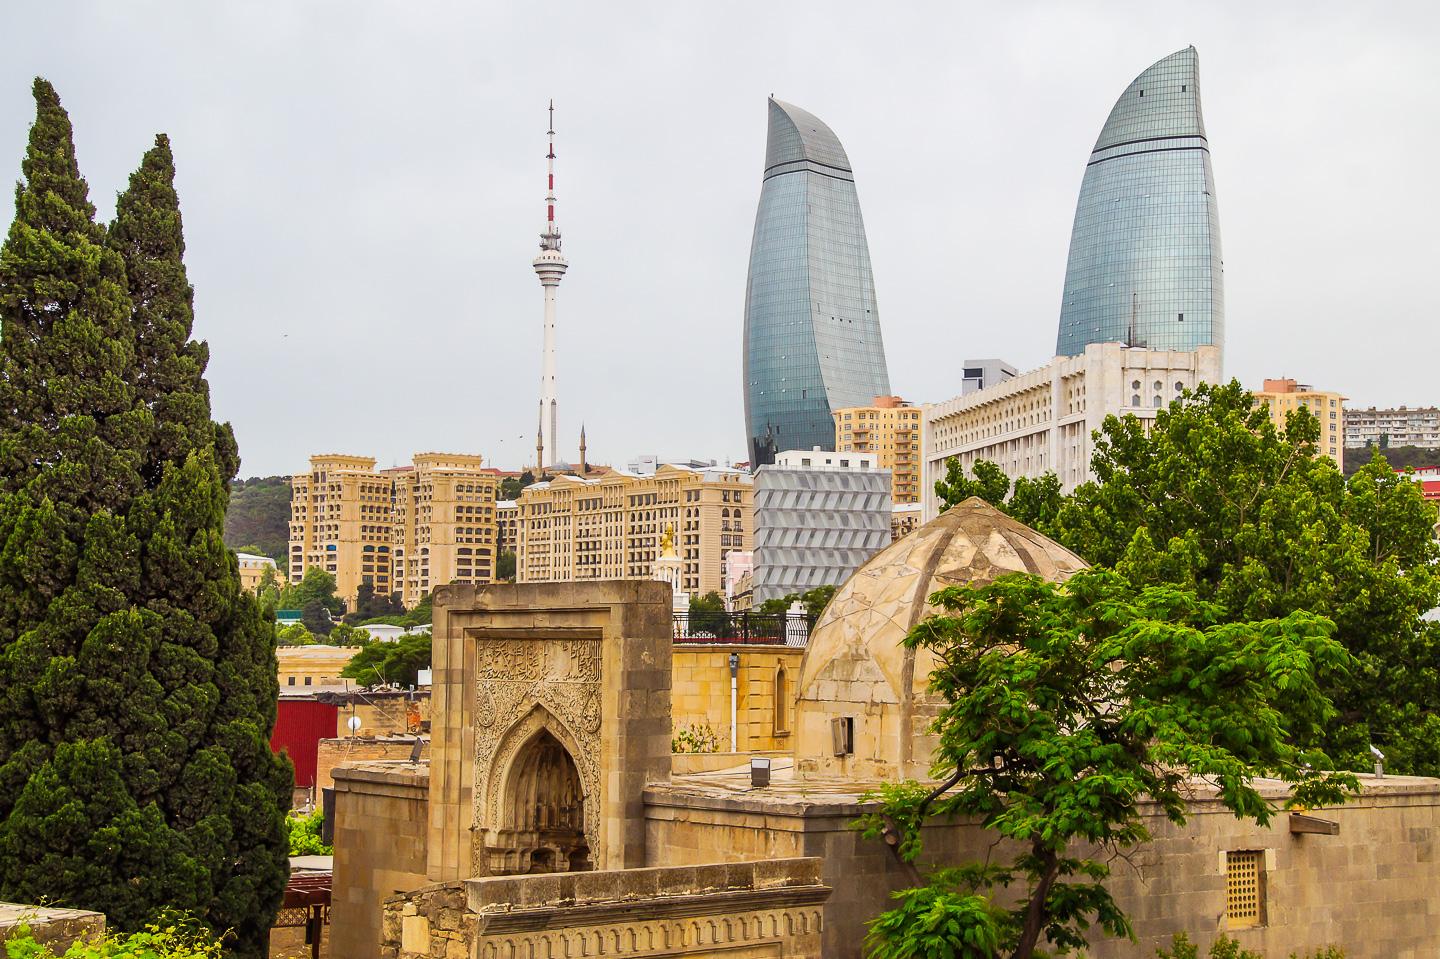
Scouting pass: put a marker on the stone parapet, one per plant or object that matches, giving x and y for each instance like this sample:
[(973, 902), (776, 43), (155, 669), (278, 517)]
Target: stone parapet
[(55, 928), (762, 908)]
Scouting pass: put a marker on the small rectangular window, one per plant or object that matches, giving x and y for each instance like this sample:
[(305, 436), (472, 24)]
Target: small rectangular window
[(292, 680), (842, 731), (1244, 888)]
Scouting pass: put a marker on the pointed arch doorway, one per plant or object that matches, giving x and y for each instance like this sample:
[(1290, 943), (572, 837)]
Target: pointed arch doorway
[(543, 810)]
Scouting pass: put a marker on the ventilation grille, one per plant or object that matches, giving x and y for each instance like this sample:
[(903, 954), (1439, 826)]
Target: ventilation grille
[(1243, 896)]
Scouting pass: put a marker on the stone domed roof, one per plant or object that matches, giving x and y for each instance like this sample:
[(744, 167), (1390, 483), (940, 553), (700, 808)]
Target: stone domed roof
[(856, 664)]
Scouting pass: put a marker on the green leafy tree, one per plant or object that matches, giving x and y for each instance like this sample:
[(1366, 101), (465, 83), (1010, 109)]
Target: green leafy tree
[(422, 614), (814, 600), (316, 584), (707, 614), (342, 634), (1066, 706), (505, 566), (259, 516), (397, 663), (137, 680), (294, 635), (1214, 497), (1034, 502), (305, 835), (512, 486)]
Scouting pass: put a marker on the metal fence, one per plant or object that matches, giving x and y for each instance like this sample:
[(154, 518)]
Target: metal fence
[(774, 629)]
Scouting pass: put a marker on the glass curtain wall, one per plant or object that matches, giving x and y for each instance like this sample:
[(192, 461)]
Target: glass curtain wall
[(812, 329), (1144, 265)]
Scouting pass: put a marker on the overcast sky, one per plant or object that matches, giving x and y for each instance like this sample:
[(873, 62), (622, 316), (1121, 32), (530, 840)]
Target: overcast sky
[(362, 185)]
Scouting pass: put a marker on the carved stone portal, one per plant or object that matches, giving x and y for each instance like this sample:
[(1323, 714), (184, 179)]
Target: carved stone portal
[(537, 714)]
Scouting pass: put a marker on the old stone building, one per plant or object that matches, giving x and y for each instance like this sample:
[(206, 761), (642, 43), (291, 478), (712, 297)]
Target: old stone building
[(552, 819)]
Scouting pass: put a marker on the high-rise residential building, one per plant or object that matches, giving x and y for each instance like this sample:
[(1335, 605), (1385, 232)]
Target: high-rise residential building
[(1401, 426), (1042, 421), (1144, 265), (444, 526), (979, 374), (340, 517), (812, 329), (889, 427), (1283, 395), (400, 531), (819, 516), (610, 527)]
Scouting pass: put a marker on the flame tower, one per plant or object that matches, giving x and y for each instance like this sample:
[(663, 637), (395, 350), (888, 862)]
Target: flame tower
[(550, 267)]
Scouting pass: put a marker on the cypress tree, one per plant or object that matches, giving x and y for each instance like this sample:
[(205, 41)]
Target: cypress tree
[(137, 681)]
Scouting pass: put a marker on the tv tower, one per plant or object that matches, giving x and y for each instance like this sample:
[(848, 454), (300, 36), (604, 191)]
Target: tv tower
[(550, 266)]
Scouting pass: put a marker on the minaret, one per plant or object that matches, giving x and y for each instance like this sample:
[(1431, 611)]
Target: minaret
[(550, 266), (583, 469)]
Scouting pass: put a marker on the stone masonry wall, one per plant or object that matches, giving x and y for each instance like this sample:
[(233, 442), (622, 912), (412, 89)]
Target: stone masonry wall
[(700, 692), (750, 910), (1373, 889), (334, 752), (56, 928), (381, 823)]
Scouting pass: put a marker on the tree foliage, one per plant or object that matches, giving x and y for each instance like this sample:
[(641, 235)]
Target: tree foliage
[(259, 516), (137, 680), (315, 586), (397, 664), (814, 600), (1067, 706), (1214, 497)]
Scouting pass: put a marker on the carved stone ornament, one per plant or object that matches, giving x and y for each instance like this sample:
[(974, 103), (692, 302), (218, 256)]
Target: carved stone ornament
[(522, 687)]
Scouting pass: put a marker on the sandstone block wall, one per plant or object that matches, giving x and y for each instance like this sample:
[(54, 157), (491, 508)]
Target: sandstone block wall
[(56, 928), (749, 910), (381, 823), (1373, 890), (334, 752), (700, 692)]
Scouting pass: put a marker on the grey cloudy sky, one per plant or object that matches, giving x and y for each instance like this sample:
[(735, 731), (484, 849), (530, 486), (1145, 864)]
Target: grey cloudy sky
[(362, 188)]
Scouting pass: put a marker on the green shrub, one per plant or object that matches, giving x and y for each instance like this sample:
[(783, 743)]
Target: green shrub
[(305, 835), (173, 937), (695, 738), (1226, 948)]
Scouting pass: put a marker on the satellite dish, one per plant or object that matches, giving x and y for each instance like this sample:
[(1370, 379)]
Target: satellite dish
[(354, 723)]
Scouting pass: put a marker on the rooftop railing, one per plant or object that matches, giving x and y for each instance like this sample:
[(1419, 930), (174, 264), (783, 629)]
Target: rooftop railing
[(773, 629)]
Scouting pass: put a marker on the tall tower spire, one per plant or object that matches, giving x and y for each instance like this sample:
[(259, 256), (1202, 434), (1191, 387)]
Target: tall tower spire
[(550, 267)]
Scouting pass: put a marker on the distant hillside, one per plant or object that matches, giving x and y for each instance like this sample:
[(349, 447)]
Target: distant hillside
[(259, 515), (1399, 457)]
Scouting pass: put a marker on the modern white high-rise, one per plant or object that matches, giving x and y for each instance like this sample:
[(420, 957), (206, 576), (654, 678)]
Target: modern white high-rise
[(550, 267), (1042, 421)]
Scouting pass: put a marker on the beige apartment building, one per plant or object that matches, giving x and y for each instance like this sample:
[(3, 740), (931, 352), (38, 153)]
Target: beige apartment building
[(401, 531), (609, 527), (507, 518), (253, 570), (1282, 396), (889, 428)]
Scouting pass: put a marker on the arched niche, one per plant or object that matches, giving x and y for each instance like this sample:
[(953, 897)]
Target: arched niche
[(541, 815)]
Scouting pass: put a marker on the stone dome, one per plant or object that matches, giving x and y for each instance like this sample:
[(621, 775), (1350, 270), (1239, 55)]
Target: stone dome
[(856, 665)]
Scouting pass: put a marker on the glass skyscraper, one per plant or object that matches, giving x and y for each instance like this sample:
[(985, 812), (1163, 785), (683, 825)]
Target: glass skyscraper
[(1144, 264), (812, 330)]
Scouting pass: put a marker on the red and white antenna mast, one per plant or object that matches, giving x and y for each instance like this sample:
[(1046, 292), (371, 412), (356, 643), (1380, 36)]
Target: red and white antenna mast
[(550, 267)]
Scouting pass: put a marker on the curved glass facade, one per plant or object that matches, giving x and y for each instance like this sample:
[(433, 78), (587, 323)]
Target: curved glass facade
[(1144, 264), (812, 330)]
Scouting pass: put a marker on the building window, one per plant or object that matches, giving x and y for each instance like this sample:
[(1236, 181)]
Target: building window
[(1244, 888), (307, 680), (782, 702), (292, 680), (842, 732)]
